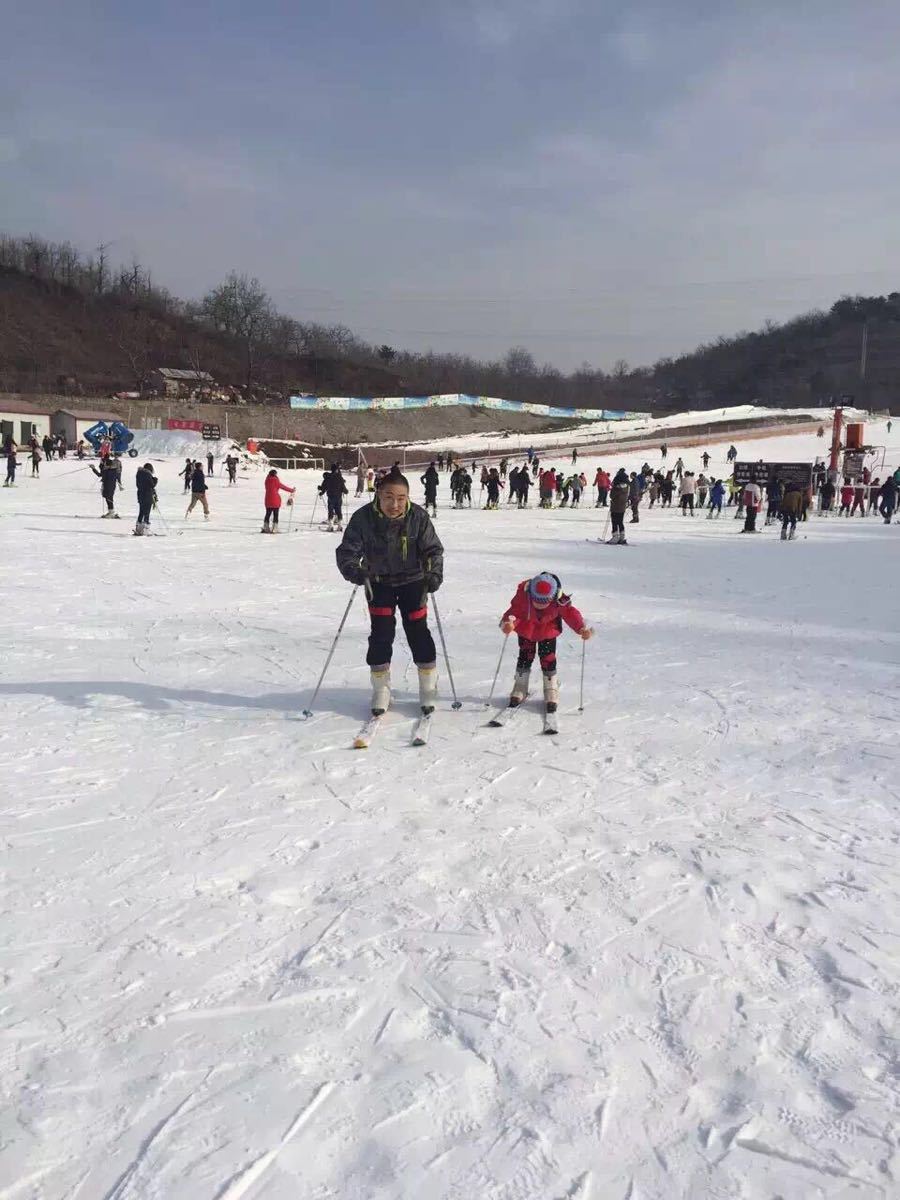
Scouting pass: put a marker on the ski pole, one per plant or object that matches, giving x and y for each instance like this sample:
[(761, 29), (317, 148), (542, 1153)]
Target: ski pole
[(161, 517), (437, 616), (581, 693), (606, 526), (291, 517), (307, 712), (497, 672), (315, 506)]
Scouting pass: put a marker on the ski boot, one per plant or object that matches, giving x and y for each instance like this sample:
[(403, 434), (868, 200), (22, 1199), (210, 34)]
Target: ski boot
[(520, 687), (551, 691), (792, 534), (381, 690), (428, 678)]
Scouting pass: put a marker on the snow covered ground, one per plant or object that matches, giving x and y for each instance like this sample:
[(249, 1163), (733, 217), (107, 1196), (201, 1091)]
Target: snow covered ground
[(655, 957)]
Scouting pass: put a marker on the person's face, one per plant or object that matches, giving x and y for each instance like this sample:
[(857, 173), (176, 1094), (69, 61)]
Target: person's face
[(393, 499)]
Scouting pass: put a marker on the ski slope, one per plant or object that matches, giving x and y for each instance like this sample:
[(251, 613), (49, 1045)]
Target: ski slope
[(654, 957)]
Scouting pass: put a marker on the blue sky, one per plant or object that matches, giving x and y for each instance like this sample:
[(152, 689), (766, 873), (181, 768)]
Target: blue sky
[(591, 180)]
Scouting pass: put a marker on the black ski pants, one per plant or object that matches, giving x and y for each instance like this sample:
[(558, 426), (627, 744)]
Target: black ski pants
[(545, 650), (412, 600), (788, 519), (618, 522), (144, 507), (335, 507), (271, 515)]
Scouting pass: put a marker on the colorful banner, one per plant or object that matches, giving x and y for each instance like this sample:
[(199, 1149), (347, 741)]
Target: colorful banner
[(382, 403), (174, 423)]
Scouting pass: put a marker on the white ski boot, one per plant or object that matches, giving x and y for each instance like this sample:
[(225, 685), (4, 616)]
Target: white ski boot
[(428, 680), (520, 687), (551, 692), (381, 689)]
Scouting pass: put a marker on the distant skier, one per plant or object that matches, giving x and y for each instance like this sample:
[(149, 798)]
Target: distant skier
[(536, 614), (430, 481), (574, 454), (888, 498), (663, 450), (9, 453), (602, 483), (716, 496), (108, 474), (679, 469), (210, 459), (274, 488), (145, 482), (702, 490), (187, 472), (790, 506), (618, 506), (35, 462), (846, 498), (688, 488), (524, 485), (231, 465), (390, 546), (752, 497), (493, 483), (198, 492), (360, 479), (705, 460), (334, 489)]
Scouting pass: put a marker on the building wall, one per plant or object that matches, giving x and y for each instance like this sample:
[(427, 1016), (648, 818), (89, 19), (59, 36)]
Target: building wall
[(11, 422)]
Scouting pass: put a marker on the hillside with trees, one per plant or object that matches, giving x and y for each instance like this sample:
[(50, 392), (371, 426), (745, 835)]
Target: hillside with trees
[(74, 322)]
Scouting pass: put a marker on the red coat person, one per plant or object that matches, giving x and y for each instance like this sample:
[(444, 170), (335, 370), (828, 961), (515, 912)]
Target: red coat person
[(537, 624), (274, 487)]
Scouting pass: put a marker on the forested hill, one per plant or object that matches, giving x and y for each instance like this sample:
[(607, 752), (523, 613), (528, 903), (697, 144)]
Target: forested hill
[(72, 322)]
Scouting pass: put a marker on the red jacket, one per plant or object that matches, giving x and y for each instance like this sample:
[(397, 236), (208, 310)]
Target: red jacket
[(273, 487), (602, 479), (846, 494), (536, 624)]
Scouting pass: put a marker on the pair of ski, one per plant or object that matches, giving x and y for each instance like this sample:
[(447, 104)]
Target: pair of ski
[(508, 714), (421, 731)]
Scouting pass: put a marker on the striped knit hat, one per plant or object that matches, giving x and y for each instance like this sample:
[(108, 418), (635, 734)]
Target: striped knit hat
[(543, 588)]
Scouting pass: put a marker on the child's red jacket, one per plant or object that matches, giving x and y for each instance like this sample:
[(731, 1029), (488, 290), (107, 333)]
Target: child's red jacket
[(538, 624)]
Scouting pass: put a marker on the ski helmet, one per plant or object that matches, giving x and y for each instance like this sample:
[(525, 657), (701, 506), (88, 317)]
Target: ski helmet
[(543, 588)]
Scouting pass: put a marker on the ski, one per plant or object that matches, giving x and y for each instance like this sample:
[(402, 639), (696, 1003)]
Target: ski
[(422, 729), (505, 715), (363, 739), (551, 722)]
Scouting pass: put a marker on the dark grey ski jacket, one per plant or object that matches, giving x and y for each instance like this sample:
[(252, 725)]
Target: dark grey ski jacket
[(393, 552)]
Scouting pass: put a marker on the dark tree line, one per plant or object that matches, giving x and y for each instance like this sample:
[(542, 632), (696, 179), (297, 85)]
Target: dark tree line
[(792, 362)]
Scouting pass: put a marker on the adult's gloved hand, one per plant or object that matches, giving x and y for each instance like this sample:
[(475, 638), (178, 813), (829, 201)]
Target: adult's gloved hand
[(432, 581)]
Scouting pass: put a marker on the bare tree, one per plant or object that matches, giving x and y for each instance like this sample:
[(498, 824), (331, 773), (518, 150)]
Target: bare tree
[(241, 308)]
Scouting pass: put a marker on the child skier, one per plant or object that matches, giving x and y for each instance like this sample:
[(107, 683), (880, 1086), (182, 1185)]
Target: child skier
[(274, 488), (536, 614)]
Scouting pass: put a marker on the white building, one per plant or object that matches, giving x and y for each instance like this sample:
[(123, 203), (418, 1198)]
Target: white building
[(72, 422), (20, 420)]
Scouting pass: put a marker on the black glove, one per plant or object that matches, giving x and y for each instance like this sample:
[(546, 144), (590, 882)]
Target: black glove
[(432, 581), (358, 574)]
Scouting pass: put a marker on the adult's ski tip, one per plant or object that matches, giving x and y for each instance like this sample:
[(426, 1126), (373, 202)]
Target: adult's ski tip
[(306, 713), (456, 705)]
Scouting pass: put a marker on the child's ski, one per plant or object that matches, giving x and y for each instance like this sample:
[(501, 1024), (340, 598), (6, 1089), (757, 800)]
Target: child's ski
[(422, 729), (505, 715), (363, 739)]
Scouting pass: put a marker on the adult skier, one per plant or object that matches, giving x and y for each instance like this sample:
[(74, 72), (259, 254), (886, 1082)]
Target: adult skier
[(705, 460), (602, 484), (430, 481), (108, 474), (145, 482), (335, 489), (536, 614), (198, 492), (187, 472), (231, 464), (688, 486), (752, 498), (9, 453), (493, 483), (210, 459), (716, 497), (618, 505), (390, 547), (791, 504), (888, 498), (274, 488), (524, 485)]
